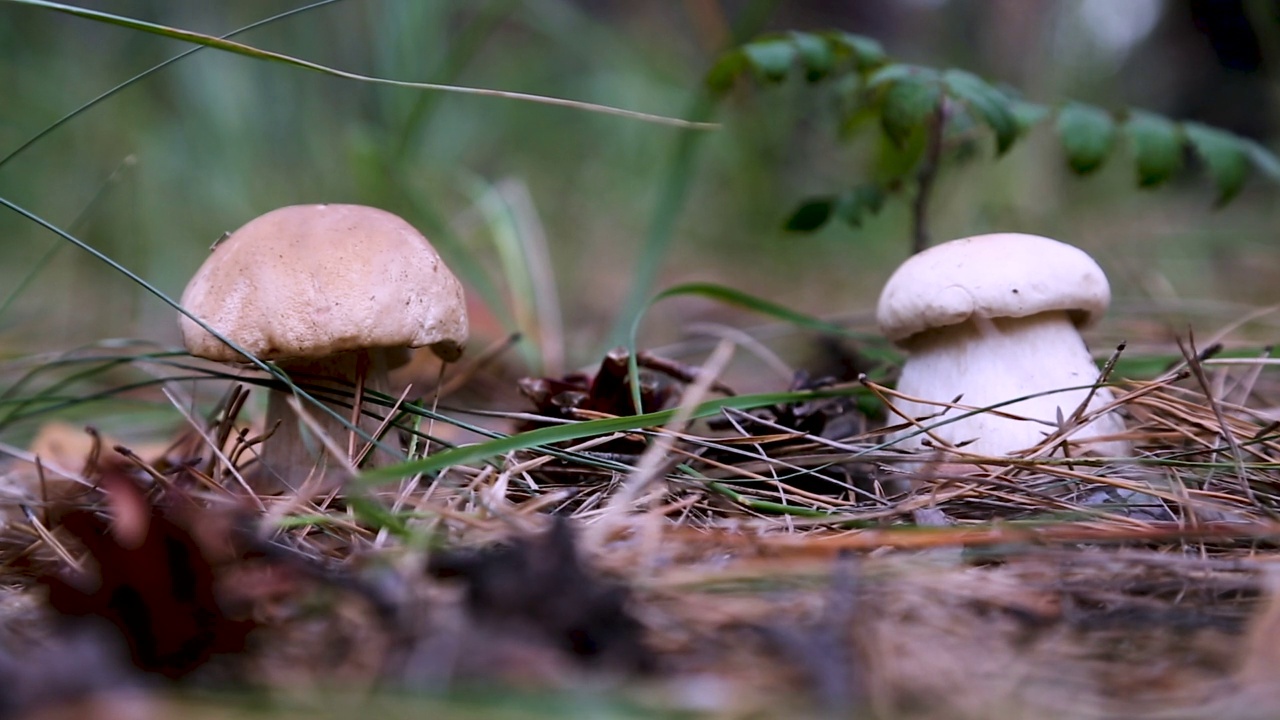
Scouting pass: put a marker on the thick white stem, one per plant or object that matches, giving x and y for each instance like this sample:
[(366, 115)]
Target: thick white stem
[(992, 361)]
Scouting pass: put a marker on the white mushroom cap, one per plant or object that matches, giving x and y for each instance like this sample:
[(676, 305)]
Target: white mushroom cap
[(308, 281), (1003, 275)]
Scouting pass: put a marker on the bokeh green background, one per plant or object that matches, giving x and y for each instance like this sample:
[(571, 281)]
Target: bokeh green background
[(214, 140)]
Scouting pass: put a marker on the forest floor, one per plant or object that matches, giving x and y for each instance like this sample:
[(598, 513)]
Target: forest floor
[(777, 560)]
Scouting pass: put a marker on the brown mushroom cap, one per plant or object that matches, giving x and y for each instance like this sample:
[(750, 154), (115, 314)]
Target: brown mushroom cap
[(308, 281), (1004, 275)]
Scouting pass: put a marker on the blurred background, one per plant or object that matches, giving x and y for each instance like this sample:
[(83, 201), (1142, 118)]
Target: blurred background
[(155, 174)]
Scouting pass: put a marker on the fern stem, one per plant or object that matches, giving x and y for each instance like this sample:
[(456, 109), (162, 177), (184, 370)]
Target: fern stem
[(925, 178)]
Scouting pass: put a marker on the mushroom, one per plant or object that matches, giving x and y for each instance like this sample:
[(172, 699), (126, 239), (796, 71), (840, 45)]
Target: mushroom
[(990, 319), (334, 295)]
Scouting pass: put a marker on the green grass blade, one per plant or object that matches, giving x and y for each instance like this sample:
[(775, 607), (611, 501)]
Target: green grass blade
[(589, 428), (517, 267), (51, 391), (767, 506), (76, 224), (672, 195), (747, 301), (260, 54), (462, 49), (145, 73), (730, 296), (674, 191)]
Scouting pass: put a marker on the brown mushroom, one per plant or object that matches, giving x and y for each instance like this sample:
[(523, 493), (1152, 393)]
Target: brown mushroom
[(334, 295)]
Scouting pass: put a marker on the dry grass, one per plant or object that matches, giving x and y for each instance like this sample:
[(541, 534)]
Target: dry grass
[(775, 571)]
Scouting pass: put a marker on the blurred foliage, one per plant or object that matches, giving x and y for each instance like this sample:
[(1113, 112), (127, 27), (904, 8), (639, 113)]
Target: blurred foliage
[(154, 174), (944, 106)]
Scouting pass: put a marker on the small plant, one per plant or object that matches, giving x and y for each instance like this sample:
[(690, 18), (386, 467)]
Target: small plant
[(930, 115)]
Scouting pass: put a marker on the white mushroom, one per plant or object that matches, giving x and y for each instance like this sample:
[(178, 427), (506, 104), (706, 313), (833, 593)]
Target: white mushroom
[(334, 294), (993, 318)]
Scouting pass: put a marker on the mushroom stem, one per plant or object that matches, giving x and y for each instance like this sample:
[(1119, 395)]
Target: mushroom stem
[(290, 456), (990, 361)]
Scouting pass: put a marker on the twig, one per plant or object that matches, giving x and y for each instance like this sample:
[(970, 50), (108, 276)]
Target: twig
[(1197, 370), (198, 426), (50, 540)]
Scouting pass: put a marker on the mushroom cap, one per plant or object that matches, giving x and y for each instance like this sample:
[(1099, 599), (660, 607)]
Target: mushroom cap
[(307, 281), (1003, 275)]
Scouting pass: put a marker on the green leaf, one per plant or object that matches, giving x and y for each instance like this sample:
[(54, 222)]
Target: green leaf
[(1263, 159), (1157, 147), (1088, 133), (815, 53), (726, 70), (1028, 114), (811, 215), (854, 119), (1226, 156), (771, 58), (866, 52), (907, 105), (855, 205), (990, 104), (961, 127), (893, 165), (892, 73)]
